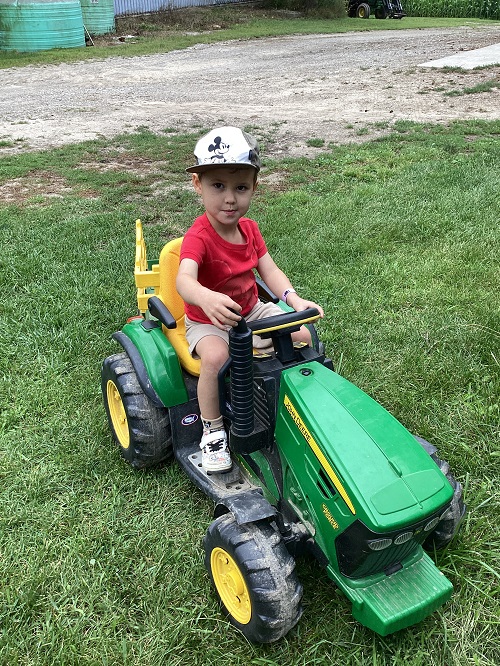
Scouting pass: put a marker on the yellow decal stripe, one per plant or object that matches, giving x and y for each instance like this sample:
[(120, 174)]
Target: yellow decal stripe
[(306, 320), (318, 453)]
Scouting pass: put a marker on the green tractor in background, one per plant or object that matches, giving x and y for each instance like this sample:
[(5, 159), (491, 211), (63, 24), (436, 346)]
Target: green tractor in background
[(382, 9), (319, 468)]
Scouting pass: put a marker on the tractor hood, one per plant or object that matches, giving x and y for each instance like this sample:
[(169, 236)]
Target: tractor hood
[(381, 472)]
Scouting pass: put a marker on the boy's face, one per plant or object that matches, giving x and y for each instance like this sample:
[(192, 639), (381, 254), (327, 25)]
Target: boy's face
[(226, 194)]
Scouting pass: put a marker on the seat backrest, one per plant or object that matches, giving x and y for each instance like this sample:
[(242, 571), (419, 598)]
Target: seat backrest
[(169, 267)]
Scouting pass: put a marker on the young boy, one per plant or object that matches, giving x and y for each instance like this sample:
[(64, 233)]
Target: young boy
[(216, 274)]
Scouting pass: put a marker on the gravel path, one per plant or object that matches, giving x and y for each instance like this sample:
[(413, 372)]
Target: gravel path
[(339, 87)]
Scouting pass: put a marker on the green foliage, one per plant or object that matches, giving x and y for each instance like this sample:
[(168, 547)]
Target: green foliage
[(485, 86), (323, 8), (396, 238), (315, 143), (483, 9)]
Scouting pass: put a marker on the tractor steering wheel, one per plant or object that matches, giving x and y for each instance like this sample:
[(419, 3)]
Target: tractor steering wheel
[(284, 323), (280, 327)]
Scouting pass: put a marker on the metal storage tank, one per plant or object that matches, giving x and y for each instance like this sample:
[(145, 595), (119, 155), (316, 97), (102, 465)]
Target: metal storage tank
[(98, 16), (29, 25)]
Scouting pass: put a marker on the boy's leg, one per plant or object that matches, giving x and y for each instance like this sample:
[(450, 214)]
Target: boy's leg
[(302, 335), (213, 352)]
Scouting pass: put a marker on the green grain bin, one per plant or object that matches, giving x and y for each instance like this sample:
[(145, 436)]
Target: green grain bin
[(26, 25), (98, 16)]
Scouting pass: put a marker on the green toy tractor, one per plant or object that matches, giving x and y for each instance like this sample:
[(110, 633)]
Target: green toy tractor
[(319, 467), (382, 9)]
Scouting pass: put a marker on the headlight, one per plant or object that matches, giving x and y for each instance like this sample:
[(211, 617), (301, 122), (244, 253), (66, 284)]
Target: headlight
[(403, 538), (444, 515), (431, 524), (379, 544)]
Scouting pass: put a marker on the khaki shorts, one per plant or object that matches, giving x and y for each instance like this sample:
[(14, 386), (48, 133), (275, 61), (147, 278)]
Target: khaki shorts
[(195, 331)]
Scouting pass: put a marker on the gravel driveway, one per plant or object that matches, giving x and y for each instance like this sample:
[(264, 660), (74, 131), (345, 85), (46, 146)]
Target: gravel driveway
[(339, 87)]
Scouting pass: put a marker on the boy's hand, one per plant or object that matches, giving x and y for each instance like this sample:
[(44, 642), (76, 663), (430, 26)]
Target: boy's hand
[(219, 309), (299, 304)]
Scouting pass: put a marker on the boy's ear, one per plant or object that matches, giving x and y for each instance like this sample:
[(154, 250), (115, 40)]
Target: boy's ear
[(195, 179)]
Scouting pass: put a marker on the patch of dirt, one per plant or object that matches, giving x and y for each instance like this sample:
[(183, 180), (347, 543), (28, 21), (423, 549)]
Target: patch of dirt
[(37, 187), (34, 186), (139, 166), (291, 90)]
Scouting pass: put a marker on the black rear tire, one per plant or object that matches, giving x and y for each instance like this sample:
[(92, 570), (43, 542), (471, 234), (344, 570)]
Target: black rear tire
[(254, 575), (363, 11), (141, 430)]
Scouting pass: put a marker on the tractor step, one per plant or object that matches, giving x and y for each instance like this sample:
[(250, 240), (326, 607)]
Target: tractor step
[(401, 599), (217, 485), (226, 482)]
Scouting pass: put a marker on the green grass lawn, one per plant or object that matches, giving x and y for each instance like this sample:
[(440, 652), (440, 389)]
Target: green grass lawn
[(397, 238)]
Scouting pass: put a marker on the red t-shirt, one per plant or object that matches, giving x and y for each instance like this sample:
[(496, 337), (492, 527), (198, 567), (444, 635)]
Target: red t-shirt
[(222, 266)]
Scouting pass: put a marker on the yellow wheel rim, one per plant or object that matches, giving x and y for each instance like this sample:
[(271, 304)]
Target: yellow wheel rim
[(118, 414), (231, 585)]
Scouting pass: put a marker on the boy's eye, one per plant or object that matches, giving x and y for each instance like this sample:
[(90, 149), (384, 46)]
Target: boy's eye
[(221, 186)]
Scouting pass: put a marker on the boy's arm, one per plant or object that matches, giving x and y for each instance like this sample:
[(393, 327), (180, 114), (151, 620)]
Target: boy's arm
[(214, 304), (278, 282)]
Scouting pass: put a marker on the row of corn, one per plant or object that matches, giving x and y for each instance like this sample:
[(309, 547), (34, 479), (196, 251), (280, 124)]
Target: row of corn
[(484, 9)]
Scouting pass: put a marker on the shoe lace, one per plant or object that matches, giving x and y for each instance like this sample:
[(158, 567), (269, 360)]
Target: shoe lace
[(216, 445)]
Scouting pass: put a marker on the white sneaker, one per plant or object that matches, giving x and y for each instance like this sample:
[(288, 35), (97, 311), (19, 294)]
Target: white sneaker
[(215, 455)]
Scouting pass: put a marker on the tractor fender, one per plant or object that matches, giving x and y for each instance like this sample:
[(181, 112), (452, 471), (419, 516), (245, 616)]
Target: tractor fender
[(154, 361), (139, 367), (247, 507)]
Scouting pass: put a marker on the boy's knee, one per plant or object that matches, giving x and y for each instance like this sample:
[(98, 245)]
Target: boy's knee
[(213, 355), (302, 335)]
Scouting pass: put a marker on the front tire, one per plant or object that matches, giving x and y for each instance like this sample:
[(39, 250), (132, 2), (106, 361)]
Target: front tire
[(141, 430), (449, 525), (254, 575)]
